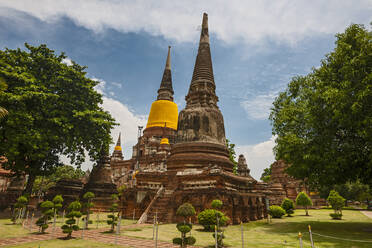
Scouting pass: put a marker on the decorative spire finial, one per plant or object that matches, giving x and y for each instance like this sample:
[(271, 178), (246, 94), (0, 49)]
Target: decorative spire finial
[(168, 63), (165, 91)]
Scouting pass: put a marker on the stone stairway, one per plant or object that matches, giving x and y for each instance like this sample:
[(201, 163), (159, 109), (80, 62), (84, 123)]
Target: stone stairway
[(160, 208)]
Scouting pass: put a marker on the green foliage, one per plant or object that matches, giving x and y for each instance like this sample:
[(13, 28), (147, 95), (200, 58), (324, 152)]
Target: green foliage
[(113, 217), (323, 120), (336, 216), (88, 196), (208, 219), (353, 191), (186, 210), (266, 174), (216, 204), (53, 109), (288, 206), (276, 211), (304, 200), (336, 201), (57, 201), (184, 228), (74, 212), (47, 214), (43, 183), (3, 87), (18, 208), (232, 155)]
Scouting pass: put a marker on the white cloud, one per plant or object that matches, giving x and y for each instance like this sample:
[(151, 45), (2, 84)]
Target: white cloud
[(67, 61), (258, 108), (128, 123), (258, 156), (231, 21)]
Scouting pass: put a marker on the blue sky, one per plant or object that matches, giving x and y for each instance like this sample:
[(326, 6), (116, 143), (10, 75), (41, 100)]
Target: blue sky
[(257, 47)]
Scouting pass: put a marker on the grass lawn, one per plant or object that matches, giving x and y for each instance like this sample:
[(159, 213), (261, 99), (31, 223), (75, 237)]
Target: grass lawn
[(281, 232), (8, 230), (72, 243)]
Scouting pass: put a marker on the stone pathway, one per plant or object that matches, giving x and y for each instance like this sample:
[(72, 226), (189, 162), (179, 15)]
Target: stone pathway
[(367, 213), (93, 234)]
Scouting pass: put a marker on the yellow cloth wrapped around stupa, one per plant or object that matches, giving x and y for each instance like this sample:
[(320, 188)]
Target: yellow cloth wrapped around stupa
[(163, 113)]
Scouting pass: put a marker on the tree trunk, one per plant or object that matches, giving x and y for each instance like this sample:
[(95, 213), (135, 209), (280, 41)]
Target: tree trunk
[(307, 213), (30, 184)]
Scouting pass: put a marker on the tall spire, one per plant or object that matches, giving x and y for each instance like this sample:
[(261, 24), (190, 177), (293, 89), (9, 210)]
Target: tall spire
[(165, 91), (202, 88), (118, 143), (203, 69), (118, 154)]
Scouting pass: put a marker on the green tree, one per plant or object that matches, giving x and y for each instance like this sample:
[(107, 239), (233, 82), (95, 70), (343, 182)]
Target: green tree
[(74, 212), (47, 213), (113, 217), (232, 155), (323, 121), (266, 174), (43, 183), (337, 202), (19, 207), (186, 210), (88, 197), (57, 205), (53, 110), (304, 200), (288, 206), (3, 87)]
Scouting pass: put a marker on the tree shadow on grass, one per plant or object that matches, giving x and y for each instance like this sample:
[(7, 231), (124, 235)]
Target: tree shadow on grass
[(341, 234)]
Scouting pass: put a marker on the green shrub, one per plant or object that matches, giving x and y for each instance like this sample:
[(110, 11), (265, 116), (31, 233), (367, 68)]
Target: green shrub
[(216, 204), (47, 211), (19, 207), (337, 202), (113, 217), (336, 216), (276, 211), (288, 206), (88, 197), (208, 219), (185, 210), (304, 200), (74, 212)]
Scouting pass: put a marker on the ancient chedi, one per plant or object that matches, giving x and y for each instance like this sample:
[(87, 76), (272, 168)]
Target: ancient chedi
[(197, 168), (284, 186), (101, 183)]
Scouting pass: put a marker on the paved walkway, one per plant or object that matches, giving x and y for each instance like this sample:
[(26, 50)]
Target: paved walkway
[(93, 234), (367, 213)]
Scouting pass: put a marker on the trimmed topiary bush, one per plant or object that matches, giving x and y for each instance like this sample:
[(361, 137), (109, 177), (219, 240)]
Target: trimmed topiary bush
[(216, 204), (336, 216), (113, 217), (276, 211), (74, 212), (19, 208), (88, 197), (304, 200), (186, 210), (208, 219), (47, 211), (288, 206)]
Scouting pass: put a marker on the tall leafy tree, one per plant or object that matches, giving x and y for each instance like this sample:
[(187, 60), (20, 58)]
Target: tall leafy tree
[(53, 109), (324, 120), (232, 154), (3, 86)]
